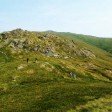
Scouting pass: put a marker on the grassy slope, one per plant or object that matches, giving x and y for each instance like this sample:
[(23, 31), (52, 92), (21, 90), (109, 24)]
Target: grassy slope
[(42, 90), (103, 43), (45, 86)]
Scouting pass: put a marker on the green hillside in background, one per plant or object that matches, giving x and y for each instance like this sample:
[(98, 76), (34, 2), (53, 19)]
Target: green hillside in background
[(103, 43)]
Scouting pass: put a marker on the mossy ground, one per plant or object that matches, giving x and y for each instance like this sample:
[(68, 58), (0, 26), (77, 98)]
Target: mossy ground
[(45, 84)]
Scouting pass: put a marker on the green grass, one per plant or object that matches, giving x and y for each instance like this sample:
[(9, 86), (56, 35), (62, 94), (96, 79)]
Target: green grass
[(103, 43), (98, 105), (46, 85), (45, 91), (50, 95)]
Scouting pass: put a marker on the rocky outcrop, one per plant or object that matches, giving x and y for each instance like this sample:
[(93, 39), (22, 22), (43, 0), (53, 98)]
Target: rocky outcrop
[(85, 53), (46, 43)]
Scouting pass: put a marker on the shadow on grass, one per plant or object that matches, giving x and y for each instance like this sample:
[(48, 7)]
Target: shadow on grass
[(64, 97)]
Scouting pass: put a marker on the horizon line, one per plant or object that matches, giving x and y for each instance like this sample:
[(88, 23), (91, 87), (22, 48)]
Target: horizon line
[(55, 31)]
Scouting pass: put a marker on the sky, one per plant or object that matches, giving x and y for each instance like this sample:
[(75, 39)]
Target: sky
[(89, 17)]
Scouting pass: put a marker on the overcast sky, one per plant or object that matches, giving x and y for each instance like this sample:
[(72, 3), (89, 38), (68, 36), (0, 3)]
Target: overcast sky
[(91, 17)]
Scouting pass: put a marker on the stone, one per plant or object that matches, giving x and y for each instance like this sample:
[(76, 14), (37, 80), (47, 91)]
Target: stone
[(66, 57), (30, 72), (22, 66), (4, 36), (72, 75), (88, 53), (85, 53), (56, 55), (47, 66), (36, 48)]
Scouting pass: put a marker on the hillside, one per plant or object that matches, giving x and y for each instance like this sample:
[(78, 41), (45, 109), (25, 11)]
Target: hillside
[(53, 72), (103, 43)]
